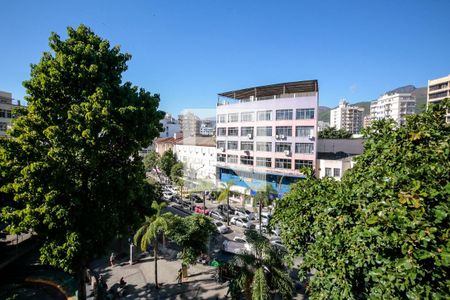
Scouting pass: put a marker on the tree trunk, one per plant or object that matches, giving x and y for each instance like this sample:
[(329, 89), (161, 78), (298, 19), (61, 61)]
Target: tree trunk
[(260, 214), (228, 210), (82, 284), (155, 250)]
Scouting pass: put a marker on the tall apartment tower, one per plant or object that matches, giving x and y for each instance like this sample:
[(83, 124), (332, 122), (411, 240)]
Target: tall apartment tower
[(350, 118), (266, 134), (6, 107), (395, 106), (438, 90), (190, 124)]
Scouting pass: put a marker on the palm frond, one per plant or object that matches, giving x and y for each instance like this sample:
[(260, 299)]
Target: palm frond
[(279, 280), (260, 290)]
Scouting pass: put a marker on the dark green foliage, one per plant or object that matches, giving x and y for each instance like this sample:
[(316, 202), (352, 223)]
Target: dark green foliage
[(151, 161), (383, 231), (72, 161), (167, 161), (192, 235), (333, 133)]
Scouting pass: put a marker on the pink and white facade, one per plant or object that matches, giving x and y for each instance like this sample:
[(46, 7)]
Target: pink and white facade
[(266, 134)]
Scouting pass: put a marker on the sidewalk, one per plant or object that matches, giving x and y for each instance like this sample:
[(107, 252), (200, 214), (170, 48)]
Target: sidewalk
[(200, 283)]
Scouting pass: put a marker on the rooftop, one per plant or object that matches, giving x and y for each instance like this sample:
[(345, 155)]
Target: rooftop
[(265, 92)]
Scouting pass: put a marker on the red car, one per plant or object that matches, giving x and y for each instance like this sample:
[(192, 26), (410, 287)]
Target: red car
[(199, 209)]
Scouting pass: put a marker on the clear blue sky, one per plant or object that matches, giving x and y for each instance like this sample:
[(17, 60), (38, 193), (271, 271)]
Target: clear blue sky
[(190, 50)]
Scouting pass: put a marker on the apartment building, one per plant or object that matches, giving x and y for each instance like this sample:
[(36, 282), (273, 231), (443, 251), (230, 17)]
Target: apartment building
[(7, 104), (190, 124), (438, 90), (393, 105), (350, 118), (266, 134)]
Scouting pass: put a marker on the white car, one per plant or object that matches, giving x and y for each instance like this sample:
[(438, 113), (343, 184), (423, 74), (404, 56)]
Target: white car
[(167, 195), (277, 244), (242, 222), (221, 228), (244, 213), (239, 239)]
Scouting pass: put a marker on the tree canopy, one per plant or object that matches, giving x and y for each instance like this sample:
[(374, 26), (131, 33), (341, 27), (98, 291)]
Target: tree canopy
[(72, 161), (333, 133), (151, 161), (167, 161), (383, 231)]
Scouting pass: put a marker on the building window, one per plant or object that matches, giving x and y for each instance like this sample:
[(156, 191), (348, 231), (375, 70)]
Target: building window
[(264, 162), (3, 126), (247, 117), (232, 159), (221, 131), (264, 115), (284, 114), (2, 113), (221, 118), (304, 131), (264, 131), (232, 145), (245, 131), (221, 157), (337, 172), (233, 131), (281, 147), (438, 95), (264, 146), (283, 130), (304, 113), (300, 163), (307, 148), (8, 114), (247, 146), (283, 163), (328, 172), (233, 117), (247, 160), (221, 144)]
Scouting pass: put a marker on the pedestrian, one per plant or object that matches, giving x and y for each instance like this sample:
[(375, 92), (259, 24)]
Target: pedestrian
[(180, 276), (112, 258)]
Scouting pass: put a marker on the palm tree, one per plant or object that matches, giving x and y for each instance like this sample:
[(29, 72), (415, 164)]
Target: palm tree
[(263, 197), (260, 272), (225, 196), (149, 231)]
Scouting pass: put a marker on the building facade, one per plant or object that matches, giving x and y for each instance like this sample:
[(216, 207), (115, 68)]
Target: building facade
[(265, 134), (198, 155), (190, 124), (350, 118), (7, 104), (438, 90), (395, 106)]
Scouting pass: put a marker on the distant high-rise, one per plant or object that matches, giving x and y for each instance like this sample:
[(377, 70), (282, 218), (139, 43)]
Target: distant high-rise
[(350, 118), (393, 105), (438, 90), (190, 124)]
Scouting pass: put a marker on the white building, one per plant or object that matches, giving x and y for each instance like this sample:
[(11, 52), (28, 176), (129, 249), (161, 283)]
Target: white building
[(171, 128), (395, 106), (438, 90), (205, 129), (198, 155), (350, 118), (7, 104)]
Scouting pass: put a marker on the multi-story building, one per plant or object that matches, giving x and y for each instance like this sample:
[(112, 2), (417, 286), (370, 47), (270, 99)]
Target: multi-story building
[(207, 128), (170, 126), (366, 121), (198, 155), (438, 90), (164, 144), (350, 118), (393, 105), (7, 104), (190, 124), (266, 134)]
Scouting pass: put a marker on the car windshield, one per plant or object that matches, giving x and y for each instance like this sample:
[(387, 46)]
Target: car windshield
[(244, 220), (218, 224)]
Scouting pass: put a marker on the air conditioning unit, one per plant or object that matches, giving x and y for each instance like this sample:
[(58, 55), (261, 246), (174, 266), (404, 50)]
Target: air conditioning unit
[(287, 152), (311, 137), (250, 136), (282, 136), (277, 136)]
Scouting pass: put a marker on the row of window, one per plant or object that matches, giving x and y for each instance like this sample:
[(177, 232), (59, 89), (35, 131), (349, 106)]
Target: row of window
[(306, 148), (4, 113), (302, 131), (266, 115), (336, 172), (280, 163)]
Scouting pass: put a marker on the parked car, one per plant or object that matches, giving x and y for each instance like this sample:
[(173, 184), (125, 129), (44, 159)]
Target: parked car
[(175, 199), (224, 208), (215, 214), (167, 195), (199, 210), (196, 198), (277, 244), (235, 247), (239, 239), (242, 222), (264, 228), (221, 228), (245, 213), (186, 205)]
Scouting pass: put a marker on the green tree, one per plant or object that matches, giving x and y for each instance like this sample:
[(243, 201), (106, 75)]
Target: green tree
[(176, 175), (263, 197), (203, 187), (150, 230), (224, 196), (383, 231), (261, 272), (72, 160), (151, 161), (167, 161), (192, 235), (333, 133)]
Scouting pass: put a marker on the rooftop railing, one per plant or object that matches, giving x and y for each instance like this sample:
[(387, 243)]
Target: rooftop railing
[(226, 100)]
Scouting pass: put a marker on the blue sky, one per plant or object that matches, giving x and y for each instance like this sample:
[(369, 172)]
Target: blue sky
[(188, 51)]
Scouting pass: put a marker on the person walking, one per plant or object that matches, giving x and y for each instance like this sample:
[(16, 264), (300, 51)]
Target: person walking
[(112, 258)]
